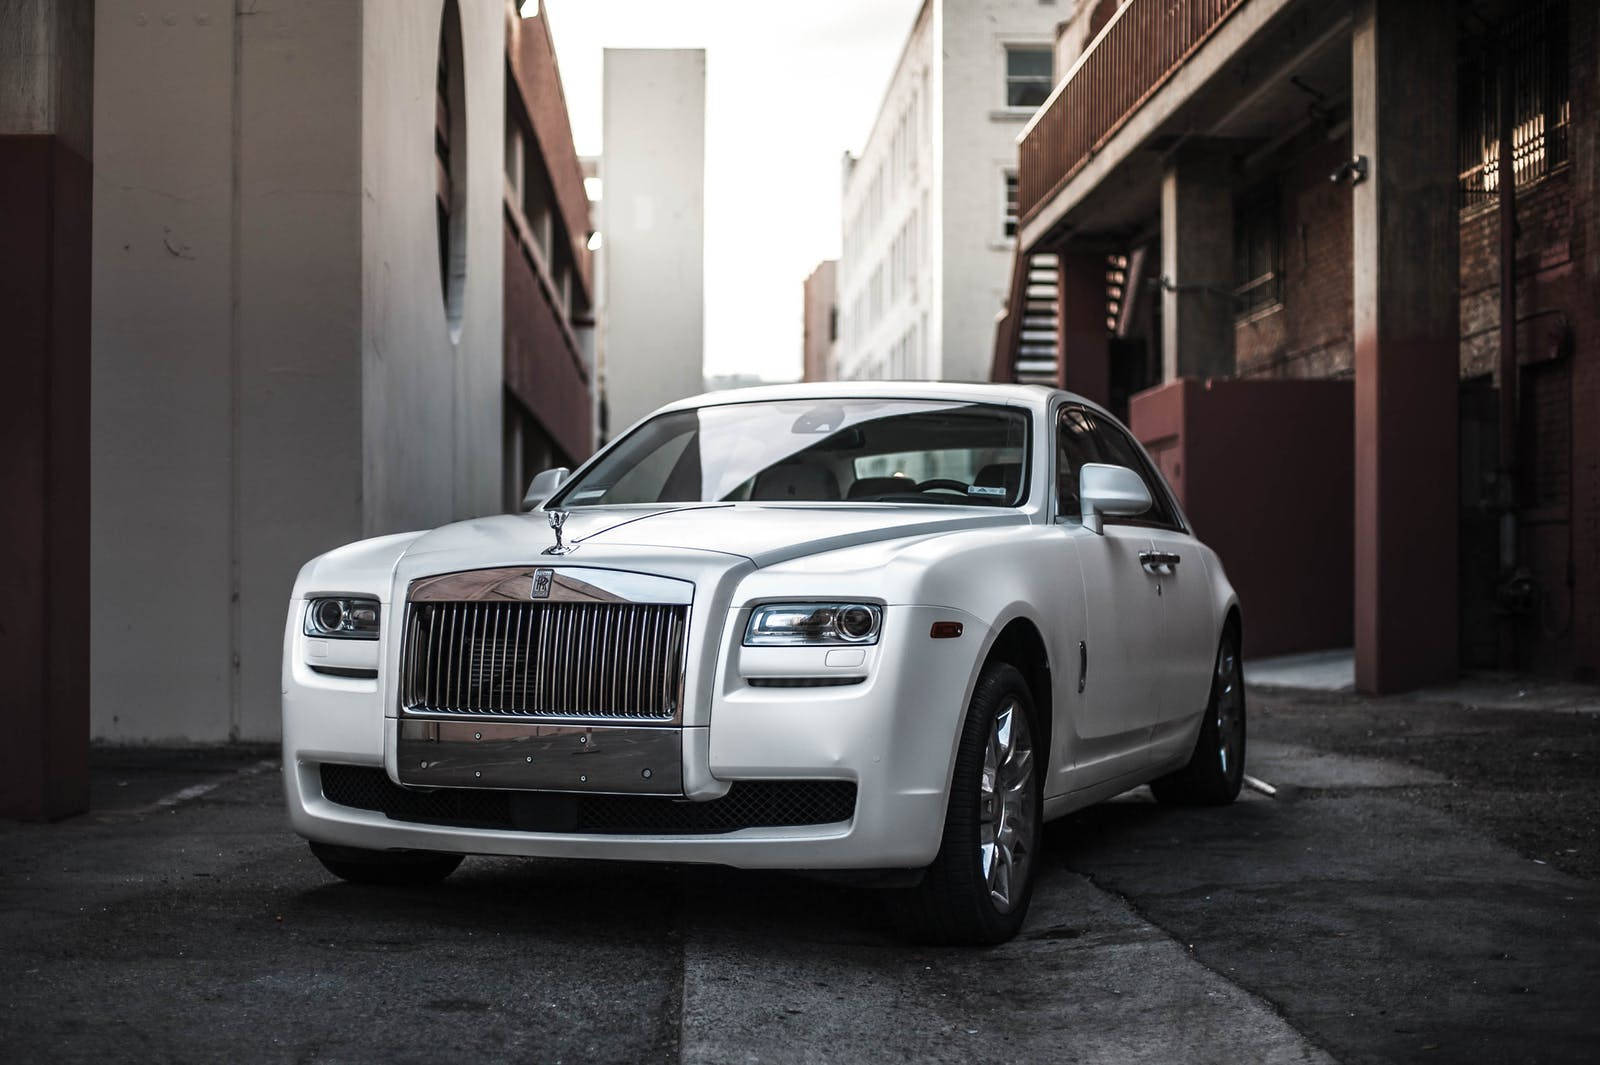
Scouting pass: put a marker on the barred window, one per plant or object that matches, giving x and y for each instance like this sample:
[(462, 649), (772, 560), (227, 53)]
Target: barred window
[(1530, 48)]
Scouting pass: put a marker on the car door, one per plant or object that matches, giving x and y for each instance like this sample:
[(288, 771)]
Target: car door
[(1176, 568), (1122, 620)]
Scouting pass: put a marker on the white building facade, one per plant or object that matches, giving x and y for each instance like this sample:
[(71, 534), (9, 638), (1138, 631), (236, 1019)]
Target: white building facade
[(929, 205), (652, 214), (296, 328)]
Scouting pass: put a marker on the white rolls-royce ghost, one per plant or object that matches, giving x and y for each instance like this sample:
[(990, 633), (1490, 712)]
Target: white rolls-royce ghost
[(889, 628)]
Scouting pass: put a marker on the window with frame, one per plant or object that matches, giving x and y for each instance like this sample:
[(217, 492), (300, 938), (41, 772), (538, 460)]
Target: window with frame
[(1013, 202), (450, 165), (1258, 273), (1029, 71), (1085, 436)]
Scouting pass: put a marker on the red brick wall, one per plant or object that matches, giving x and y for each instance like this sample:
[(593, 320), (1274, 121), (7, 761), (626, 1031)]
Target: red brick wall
[(532, 57), (1309, 334), (542, 366), (1544, 271), (1557, 270), (1558, 343)]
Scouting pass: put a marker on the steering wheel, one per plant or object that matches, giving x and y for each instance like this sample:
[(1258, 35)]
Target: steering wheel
[(942, 484)]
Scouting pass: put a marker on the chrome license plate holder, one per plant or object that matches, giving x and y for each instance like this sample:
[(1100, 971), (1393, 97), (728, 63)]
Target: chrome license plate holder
[(539, 756)]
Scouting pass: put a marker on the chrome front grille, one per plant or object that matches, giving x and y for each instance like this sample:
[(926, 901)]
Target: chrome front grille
[(605, 660)]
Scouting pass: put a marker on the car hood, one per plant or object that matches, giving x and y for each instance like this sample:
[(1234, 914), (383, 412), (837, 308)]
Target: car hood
[(764, 533)]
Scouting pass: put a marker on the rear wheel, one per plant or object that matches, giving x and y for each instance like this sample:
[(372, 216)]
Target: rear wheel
[(978, 888), (395, 868), (1216, 769)]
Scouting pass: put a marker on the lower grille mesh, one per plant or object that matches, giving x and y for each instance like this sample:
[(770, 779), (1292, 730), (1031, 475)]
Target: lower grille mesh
[(748, 804)]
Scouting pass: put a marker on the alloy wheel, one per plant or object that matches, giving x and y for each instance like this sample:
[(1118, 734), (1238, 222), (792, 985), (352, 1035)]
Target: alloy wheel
[(1007, 807), (1230, 708)]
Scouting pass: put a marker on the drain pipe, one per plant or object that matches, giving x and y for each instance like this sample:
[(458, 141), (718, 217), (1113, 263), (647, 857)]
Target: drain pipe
[(1508, 341)]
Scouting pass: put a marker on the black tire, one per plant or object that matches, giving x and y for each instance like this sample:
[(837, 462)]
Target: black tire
[(956, 902), (390, 868), (1216, 768)]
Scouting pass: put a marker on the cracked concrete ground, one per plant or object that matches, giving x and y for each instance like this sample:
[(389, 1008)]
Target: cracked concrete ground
[(1382, 908)]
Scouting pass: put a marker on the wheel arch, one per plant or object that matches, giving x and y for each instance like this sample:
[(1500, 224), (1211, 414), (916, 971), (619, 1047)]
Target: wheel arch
[(1019, 642), (1233, 620)]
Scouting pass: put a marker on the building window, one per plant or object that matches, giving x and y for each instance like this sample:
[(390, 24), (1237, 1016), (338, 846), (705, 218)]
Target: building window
[(1028, 71), (1012, 202), (1532, 42), (450, 165), (1257, 273)]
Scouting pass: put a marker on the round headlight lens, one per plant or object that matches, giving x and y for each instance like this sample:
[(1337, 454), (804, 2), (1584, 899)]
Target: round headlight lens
[(854, 622), (329, 615)]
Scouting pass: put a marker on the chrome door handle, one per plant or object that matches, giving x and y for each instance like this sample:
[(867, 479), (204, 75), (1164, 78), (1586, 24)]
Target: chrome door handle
[(1159, 561)]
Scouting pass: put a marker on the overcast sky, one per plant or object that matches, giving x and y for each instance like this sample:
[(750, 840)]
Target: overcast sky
[(789, 87)]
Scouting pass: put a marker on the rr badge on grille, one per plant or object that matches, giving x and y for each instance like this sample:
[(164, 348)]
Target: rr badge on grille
[(541, 583)]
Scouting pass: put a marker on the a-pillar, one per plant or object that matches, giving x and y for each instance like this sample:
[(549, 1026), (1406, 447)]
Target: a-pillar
[(1085, 350), (1197, 263), (45, 211), (1406, 251)]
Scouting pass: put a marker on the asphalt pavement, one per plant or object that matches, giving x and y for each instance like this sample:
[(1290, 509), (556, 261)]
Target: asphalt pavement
[(1380, 907)]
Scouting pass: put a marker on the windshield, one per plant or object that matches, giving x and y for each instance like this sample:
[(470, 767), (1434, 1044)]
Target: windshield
[(860, 450)]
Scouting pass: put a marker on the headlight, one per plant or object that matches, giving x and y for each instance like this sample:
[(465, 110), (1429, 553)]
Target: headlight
[(349, 619), (813, 623)]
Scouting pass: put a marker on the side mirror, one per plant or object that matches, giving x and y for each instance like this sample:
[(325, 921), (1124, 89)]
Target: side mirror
[(543, 486), (1105, 489)]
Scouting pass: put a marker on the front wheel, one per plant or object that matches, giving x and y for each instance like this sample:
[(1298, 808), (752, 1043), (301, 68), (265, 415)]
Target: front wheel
[(393, 868), (977, 890), (1216, 768)]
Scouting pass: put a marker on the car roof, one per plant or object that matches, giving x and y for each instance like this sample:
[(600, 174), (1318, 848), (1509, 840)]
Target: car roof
[(1018, 395)]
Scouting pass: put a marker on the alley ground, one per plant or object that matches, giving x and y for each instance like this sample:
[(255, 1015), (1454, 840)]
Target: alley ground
[(1421, 888)]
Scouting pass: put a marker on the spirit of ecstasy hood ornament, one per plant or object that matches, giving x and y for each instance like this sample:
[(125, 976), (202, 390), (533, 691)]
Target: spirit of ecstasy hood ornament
[(557, 519)]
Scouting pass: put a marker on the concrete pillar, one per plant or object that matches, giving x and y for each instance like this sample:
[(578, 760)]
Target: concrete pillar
[(1407, 338), (46, 65), (1084, 362), (1197, 263)]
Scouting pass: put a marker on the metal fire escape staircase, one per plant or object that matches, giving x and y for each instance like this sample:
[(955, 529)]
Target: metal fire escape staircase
[(1027, 337)]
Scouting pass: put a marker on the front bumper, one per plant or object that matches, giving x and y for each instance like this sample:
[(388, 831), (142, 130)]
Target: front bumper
[(892, 733)]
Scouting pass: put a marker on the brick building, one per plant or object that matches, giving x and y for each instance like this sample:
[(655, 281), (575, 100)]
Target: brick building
[(1222, 196), (821, 322), (549, 338)]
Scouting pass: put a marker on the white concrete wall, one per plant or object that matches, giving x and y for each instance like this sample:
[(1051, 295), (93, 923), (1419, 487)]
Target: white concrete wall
[(297, 323), (162, 429), (245, 201), (979, 146), (653, 222), (432, 414)]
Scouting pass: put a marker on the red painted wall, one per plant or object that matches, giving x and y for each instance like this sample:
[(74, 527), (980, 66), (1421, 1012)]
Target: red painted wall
[(45, 211), (1265, 471)]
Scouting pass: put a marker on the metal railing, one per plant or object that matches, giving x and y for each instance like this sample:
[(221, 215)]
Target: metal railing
[(1141, 47)]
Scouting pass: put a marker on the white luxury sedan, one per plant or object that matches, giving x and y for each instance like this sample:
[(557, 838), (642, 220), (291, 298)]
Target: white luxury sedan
[(883, 628)]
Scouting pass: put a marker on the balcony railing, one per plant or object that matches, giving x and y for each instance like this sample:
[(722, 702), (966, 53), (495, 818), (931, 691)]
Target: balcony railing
[(1142, 46)]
